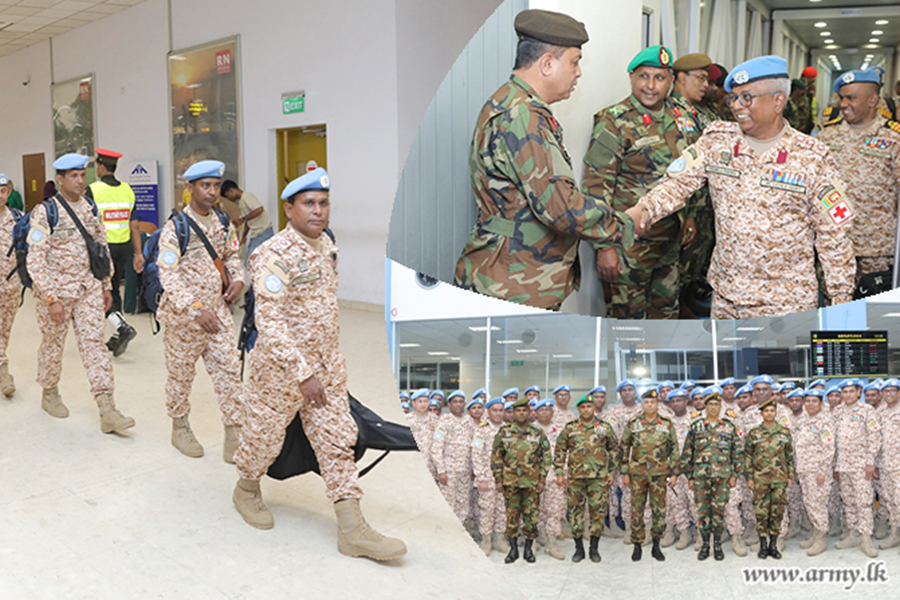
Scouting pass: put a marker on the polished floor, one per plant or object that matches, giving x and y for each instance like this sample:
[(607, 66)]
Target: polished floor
[(87, 515)]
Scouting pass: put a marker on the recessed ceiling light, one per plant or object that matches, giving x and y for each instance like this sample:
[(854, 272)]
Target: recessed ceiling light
[(814, 1), (881, 22), (563, 355), (821, 24), (526, 350), (874, 40), (409, 345), (824, 33), (829, 41), (831, 47), (509, 341), (438, 354), (877, 32), (870, 46)]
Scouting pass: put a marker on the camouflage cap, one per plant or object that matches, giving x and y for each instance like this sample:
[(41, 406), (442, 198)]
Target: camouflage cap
[(689, 62), (523, 401), (654, 56), (765, 403), (551, 28)]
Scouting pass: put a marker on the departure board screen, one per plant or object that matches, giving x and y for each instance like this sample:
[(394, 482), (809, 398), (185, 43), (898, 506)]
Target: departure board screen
[(849, 353)]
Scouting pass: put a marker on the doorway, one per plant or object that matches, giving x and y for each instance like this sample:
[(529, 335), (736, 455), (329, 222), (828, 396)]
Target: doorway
[(32, 185), (296, 148)]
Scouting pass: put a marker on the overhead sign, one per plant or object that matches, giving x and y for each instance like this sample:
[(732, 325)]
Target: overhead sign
[(293, 102), (849, 353), (143, 177)]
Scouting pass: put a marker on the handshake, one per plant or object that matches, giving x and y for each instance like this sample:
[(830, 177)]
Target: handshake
[(609, 268), (641, 219)]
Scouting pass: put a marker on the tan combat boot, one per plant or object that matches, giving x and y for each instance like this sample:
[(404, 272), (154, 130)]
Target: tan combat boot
[(500, 543), (232, 439), (111, 420), (183, 438), (553, 548), (892, 540), (52, 403), (357, 538), (819, 543), (7, 385), (881, 525), (626, 538), (668, 537), (737, 545), (852, 540), (248, 501), (867, 547), (613, 531), (685, 539), (485, 545), (806, 543)]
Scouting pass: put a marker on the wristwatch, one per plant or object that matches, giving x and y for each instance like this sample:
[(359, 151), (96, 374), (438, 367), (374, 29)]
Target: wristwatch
[(51, 299), (196, 305)]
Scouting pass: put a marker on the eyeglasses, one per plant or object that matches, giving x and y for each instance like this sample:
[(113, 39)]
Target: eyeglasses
[(702, 77), (746, 99)]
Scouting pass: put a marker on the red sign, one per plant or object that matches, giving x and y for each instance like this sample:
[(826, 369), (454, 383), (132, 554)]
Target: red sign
[(85, 89), (223, 62), (116, 215)]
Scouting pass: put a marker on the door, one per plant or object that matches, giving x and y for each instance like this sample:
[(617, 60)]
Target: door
[(32, 188), (296, 148)]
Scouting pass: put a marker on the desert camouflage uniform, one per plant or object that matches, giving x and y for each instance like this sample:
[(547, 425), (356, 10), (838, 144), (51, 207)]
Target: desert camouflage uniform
[(858, 436), (451, 452), (629, 151), (766, 230), (524, 246), (586, 456), (711, 456), (869, 163), (60, 269), (297, 317), (648, 454), (680, 506), (10, 287), (553, 498), (492, 513), (814, 456), (889, 463), (423, 431), (520, 459), (193, 277), (769, 463)]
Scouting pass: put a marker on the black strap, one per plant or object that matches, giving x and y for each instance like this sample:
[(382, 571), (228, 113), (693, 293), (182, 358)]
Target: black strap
[(375, 462), (88, 240), (206, 243)]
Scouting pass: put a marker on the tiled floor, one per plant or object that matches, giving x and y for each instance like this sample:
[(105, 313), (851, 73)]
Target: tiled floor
[(87, 515)]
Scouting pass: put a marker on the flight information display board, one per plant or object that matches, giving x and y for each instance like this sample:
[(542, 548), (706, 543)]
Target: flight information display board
[(849, 353)]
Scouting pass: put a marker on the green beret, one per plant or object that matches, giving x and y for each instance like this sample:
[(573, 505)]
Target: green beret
[(523, 401), (689, 62), (765, 403), (654, 56), (798, 83), (551, 28), (582, 400)]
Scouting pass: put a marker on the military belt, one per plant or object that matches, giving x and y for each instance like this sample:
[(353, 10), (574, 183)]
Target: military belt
[(498, 225)]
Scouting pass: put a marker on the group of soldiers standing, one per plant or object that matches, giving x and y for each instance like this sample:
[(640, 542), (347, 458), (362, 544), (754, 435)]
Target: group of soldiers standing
[(695, 185), (761, 463)]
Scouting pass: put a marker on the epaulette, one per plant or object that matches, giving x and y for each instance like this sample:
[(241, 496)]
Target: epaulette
[(885, 113), (483, 424), (696, 414), (892, 124), (806, 141), (722, 127), (834, 121), (617, 109), (730, 413)]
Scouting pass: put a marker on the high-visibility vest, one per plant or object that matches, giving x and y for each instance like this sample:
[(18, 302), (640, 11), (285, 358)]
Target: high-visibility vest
[(115, 204)]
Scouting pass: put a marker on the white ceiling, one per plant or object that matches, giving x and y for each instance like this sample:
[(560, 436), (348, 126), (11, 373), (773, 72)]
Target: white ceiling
[(27, 22)]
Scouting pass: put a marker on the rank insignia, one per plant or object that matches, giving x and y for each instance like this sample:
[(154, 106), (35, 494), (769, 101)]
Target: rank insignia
[(894, 125), (725, 157)]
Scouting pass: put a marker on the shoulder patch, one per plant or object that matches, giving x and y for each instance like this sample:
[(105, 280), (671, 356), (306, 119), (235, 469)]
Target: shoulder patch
[(169, 254), (891, 124), (272, 279), (833, 122), (38, 234)]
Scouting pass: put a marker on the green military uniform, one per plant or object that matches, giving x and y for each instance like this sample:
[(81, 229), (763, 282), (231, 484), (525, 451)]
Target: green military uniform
[(804, 113), (520, 459), (591, 452), (769, 462), (711, 456), (648, 454), (792, 114), (630, 149)]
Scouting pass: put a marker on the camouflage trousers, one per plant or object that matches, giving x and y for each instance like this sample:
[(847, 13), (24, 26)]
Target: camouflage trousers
[(595, 494), (680, 506), (695, 258), (491, 511), (553, 506), (740, 502), (769, 503), (9, 306), (795, 502), (272, 400), (88, 321), (834, 498), (815, 499), (858, 497), (522, 504), (711, 496), (891, 486), (881, 499), (643, 486), (645, 292), (184, 343), (456, 493)]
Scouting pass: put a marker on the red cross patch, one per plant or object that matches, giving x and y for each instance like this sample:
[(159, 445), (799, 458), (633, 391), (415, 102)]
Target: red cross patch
[(840, 212)]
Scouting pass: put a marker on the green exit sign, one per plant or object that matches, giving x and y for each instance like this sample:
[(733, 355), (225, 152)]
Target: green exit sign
[(516, 363), (293, 102)]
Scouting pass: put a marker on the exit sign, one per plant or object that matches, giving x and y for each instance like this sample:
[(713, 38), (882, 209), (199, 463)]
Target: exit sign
[(294, 102), (516, 363)]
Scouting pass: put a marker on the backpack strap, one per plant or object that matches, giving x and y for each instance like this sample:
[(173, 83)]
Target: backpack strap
[(52, 212), (223, 218), (181, 231)]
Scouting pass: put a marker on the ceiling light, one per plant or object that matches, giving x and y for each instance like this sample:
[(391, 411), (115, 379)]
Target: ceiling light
[(509, 341), (831, 47), (874, 40), (829, 41), (526, 350), (733, 339), (877, 32), (891, 314), (870, 46), (484, 328), (630, 339), (881, 22), (824, 33), (640, 371), (750, 328), (821, 24), (454, 358), (626, 328), (410, 345), (864, 67), (438, 354), (563, 355), (814, 1)]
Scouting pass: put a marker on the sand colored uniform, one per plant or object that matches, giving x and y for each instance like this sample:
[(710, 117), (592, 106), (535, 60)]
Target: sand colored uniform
[(814, 456), (553, 498), (858, 436), (491, 507), (423, 431), (889, 460), (451, 452), (10, 288)]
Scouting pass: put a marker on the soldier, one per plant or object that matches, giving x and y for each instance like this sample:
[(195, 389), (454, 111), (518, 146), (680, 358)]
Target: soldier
[(866, 146), (696, 396), (792, 111), (718, 105), (691, 84), (451, 452), (67, 290), (598, 396), (422, 424), (711, 461), (553, 498), (195, 309), (729, 387), (858, 435), (524, 246), (404, 397), (688, 386), (439, 395), (889, 467), (662, 392), (817, 384), (520, 461), (562, 415), (297, 366), (618, 416), (872, 395), (740, 498), (680, 506), (492, 516), (632, 143), (435, 407), (648, 459), (584, 463), (10, 287), (778, 200), (475, 410), (814, 453), (115, 201), (533, 392), (795, 403), (806, 114), (769, 468)]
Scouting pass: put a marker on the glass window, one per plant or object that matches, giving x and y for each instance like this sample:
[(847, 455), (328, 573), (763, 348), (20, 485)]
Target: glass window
[(885, 316), (446, 354)]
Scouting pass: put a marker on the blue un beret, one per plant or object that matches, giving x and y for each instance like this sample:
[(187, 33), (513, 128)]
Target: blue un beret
[(507, 405), (533, 388), (405, 405), (891, 383), (509, 391), (436, 393), (761, 379), (872, 386), (817, 382), (494, 401), (420, 393), (70, 161), (3, 179), (545, 402), (600, 388), (203, 169), (313, 181), (473, 402), (727, 381), (797, 392), (688, 383), (755, 69), (625, 383), (713, 389), (744, 389), (563, 388), (404, 395), (677, 393), (815, 392), (456, 393), (434, 402), (480, 392), (666, 383), (869, 76)]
